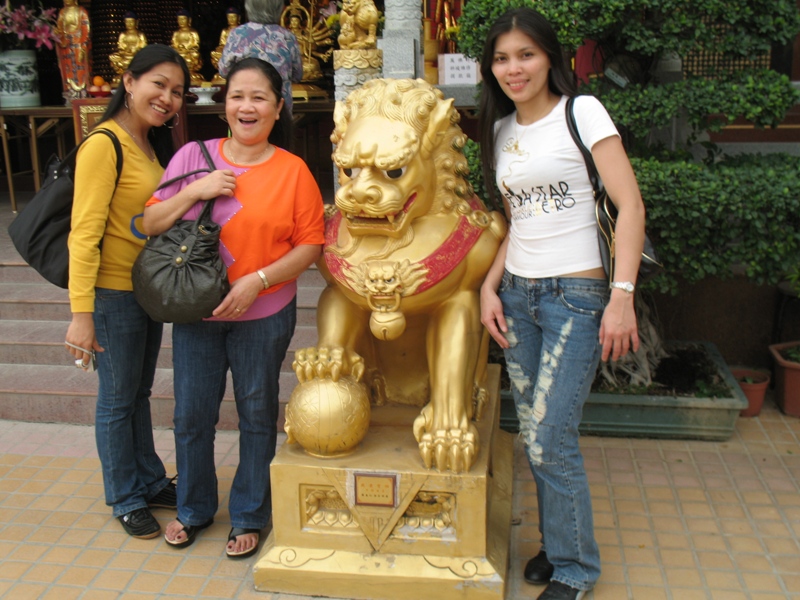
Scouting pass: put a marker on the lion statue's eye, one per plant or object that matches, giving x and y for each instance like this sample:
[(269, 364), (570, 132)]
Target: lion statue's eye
[(395, 173), (352, 173)]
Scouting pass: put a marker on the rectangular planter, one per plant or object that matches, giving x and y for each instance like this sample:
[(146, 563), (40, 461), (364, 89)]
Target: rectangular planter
[(787, 380), (668, 417)]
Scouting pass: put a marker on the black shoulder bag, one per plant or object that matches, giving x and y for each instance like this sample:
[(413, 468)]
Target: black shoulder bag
[(606, 213), (41, 230), (179, 276)]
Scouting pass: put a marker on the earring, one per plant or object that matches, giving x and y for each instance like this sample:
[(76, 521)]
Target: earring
[(126, 99), (175, 120)]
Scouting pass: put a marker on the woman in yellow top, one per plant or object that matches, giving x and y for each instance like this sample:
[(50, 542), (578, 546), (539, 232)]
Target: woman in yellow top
[(105, 240)]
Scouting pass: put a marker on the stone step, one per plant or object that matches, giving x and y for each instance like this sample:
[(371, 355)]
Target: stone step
[(20, 272), (56, 394), (17, 271), (45, 302), (42, 343)]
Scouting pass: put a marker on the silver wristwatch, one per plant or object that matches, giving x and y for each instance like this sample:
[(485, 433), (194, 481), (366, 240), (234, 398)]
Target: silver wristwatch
[(623, 285)]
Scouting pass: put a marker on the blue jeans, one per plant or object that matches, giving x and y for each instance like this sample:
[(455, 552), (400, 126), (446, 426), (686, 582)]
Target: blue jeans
[(202, 354), (553, 327), (132, 471)]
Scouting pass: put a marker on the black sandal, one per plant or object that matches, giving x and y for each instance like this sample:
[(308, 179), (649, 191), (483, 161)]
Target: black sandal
[(236, 532), (191, 533)]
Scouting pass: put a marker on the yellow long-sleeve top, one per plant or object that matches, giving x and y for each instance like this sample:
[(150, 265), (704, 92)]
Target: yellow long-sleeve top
[(100, 212)]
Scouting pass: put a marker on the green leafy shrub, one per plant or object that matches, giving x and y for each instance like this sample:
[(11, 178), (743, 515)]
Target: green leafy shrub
[(703, 218), (638, 33), (741, 211)]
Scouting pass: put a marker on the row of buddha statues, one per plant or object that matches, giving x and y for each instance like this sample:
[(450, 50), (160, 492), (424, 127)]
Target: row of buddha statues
[(314, 39), (185, 40)]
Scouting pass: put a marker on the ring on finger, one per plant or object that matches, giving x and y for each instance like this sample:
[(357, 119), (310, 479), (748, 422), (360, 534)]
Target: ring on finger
[(80, 364)]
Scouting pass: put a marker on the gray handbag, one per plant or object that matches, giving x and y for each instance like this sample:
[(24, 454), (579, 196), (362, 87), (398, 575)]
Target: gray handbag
[(179, 276)]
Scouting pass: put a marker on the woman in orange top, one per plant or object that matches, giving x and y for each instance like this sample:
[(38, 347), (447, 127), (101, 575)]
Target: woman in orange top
[(271, 213)]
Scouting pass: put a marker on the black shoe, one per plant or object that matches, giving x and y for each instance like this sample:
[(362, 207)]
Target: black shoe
[(556, 590), (140, 523), (166, 498), (539, 570)]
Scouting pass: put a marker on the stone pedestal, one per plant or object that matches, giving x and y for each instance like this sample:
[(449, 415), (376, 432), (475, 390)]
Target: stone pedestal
[(377, 525), (402, 40), (353, 68)]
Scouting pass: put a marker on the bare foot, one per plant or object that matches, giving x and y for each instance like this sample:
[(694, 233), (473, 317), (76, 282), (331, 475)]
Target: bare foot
[(242, 542), (174, 533)]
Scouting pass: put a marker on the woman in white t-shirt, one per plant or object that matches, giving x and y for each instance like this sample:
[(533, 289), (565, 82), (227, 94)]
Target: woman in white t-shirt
[(546, 299)]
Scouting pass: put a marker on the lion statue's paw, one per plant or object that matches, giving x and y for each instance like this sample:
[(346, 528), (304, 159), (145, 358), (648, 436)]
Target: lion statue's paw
[(449, 449), (320, 362)]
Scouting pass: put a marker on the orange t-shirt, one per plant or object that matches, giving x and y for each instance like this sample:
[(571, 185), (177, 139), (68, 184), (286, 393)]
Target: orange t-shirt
[(276, 206)]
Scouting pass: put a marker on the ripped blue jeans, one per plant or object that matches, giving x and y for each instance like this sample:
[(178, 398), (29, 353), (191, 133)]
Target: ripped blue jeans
[(553, 327)]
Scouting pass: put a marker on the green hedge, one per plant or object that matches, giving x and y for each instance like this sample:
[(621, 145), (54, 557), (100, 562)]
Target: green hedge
[(705, 219)]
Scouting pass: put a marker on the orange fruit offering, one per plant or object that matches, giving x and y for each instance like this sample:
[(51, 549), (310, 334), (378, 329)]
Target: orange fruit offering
[(98, 81)]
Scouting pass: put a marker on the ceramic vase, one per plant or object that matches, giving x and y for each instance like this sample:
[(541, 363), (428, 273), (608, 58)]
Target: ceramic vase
[(19, 79)]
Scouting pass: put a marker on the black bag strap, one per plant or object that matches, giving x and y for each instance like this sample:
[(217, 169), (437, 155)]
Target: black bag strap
[(572, 125), (69, 159), (210, 169), (205, 214)]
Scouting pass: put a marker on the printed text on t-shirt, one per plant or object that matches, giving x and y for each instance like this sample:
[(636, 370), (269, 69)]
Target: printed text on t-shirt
[(538, 201)]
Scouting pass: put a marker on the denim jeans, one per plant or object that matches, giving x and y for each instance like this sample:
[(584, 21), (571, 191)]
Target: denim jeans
[(202, 354), (553, 327), (132, 471)]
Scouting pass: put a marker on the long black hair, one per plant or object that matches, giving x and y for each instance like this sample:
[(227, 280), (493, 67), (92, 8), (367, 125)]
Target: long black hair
[(144, 61), (494, 104), (281, 134)]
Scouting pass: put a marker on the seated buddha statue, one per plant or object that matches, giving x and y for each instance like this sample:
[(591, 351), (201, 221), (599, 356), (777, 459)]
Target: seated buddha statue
[(186, 41), (129, 43), (233, 22)]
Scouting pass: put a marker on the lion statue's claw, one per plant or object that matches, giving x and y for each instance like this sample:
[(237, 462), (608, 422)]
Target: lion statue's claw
[(323, 362), (449, 450)]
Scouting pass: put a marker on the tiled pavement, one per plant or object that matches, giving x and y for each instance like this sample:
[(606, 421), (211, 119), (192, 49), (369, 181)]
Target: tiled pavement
[(676, 520), (680, 520)]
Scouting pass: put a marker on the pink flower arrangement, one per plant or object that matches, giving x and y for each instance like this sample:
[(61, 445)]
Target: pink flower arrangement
[(21, 27)]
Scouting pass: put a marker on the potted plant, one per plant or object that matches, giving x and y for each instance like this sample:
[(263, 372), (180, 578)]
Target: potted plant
[(754, 385), (22, 31), (787, 376)]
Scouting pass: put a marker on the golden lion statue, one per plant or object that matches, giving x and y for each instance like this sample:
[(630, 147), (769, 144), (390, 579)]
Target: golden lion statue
[(358, 25), (405, 256)]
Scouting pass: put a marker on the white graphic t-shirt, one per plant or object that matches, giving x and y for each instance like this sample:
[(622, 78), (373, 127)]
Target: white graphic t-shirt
[(542, 175)]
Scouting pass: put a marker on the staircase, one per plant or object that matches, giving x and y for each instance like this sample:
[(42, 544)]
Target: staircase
[(38, 380)]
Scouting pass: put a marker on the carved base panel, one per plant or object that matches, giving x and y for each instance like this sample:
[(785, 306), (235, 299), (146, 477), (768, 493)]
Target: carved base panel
[(377, 525)]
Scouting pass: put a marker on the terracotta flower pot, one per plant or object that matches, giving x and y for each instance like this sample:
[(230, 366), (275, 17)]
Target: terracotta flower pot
[(787, 380), (754, 385)]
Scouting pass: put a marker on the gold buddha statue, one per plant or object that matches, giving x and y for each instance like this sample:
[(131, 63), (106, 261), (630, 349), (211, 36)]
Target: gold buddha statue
[(186, 42), (234, 20), (73, 49), (129, 43)]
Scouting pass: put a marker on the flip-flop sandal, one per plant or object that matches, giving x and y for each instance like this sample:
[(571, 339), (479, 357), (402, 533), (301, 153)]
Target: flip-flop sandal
[(191, 533), (236, 532)]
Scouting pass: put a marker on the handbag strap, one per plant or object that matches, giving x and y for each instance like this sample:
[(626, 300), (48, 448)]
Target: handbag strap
[(205, 214), (209, 169), (572, 125), (69, 159)]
